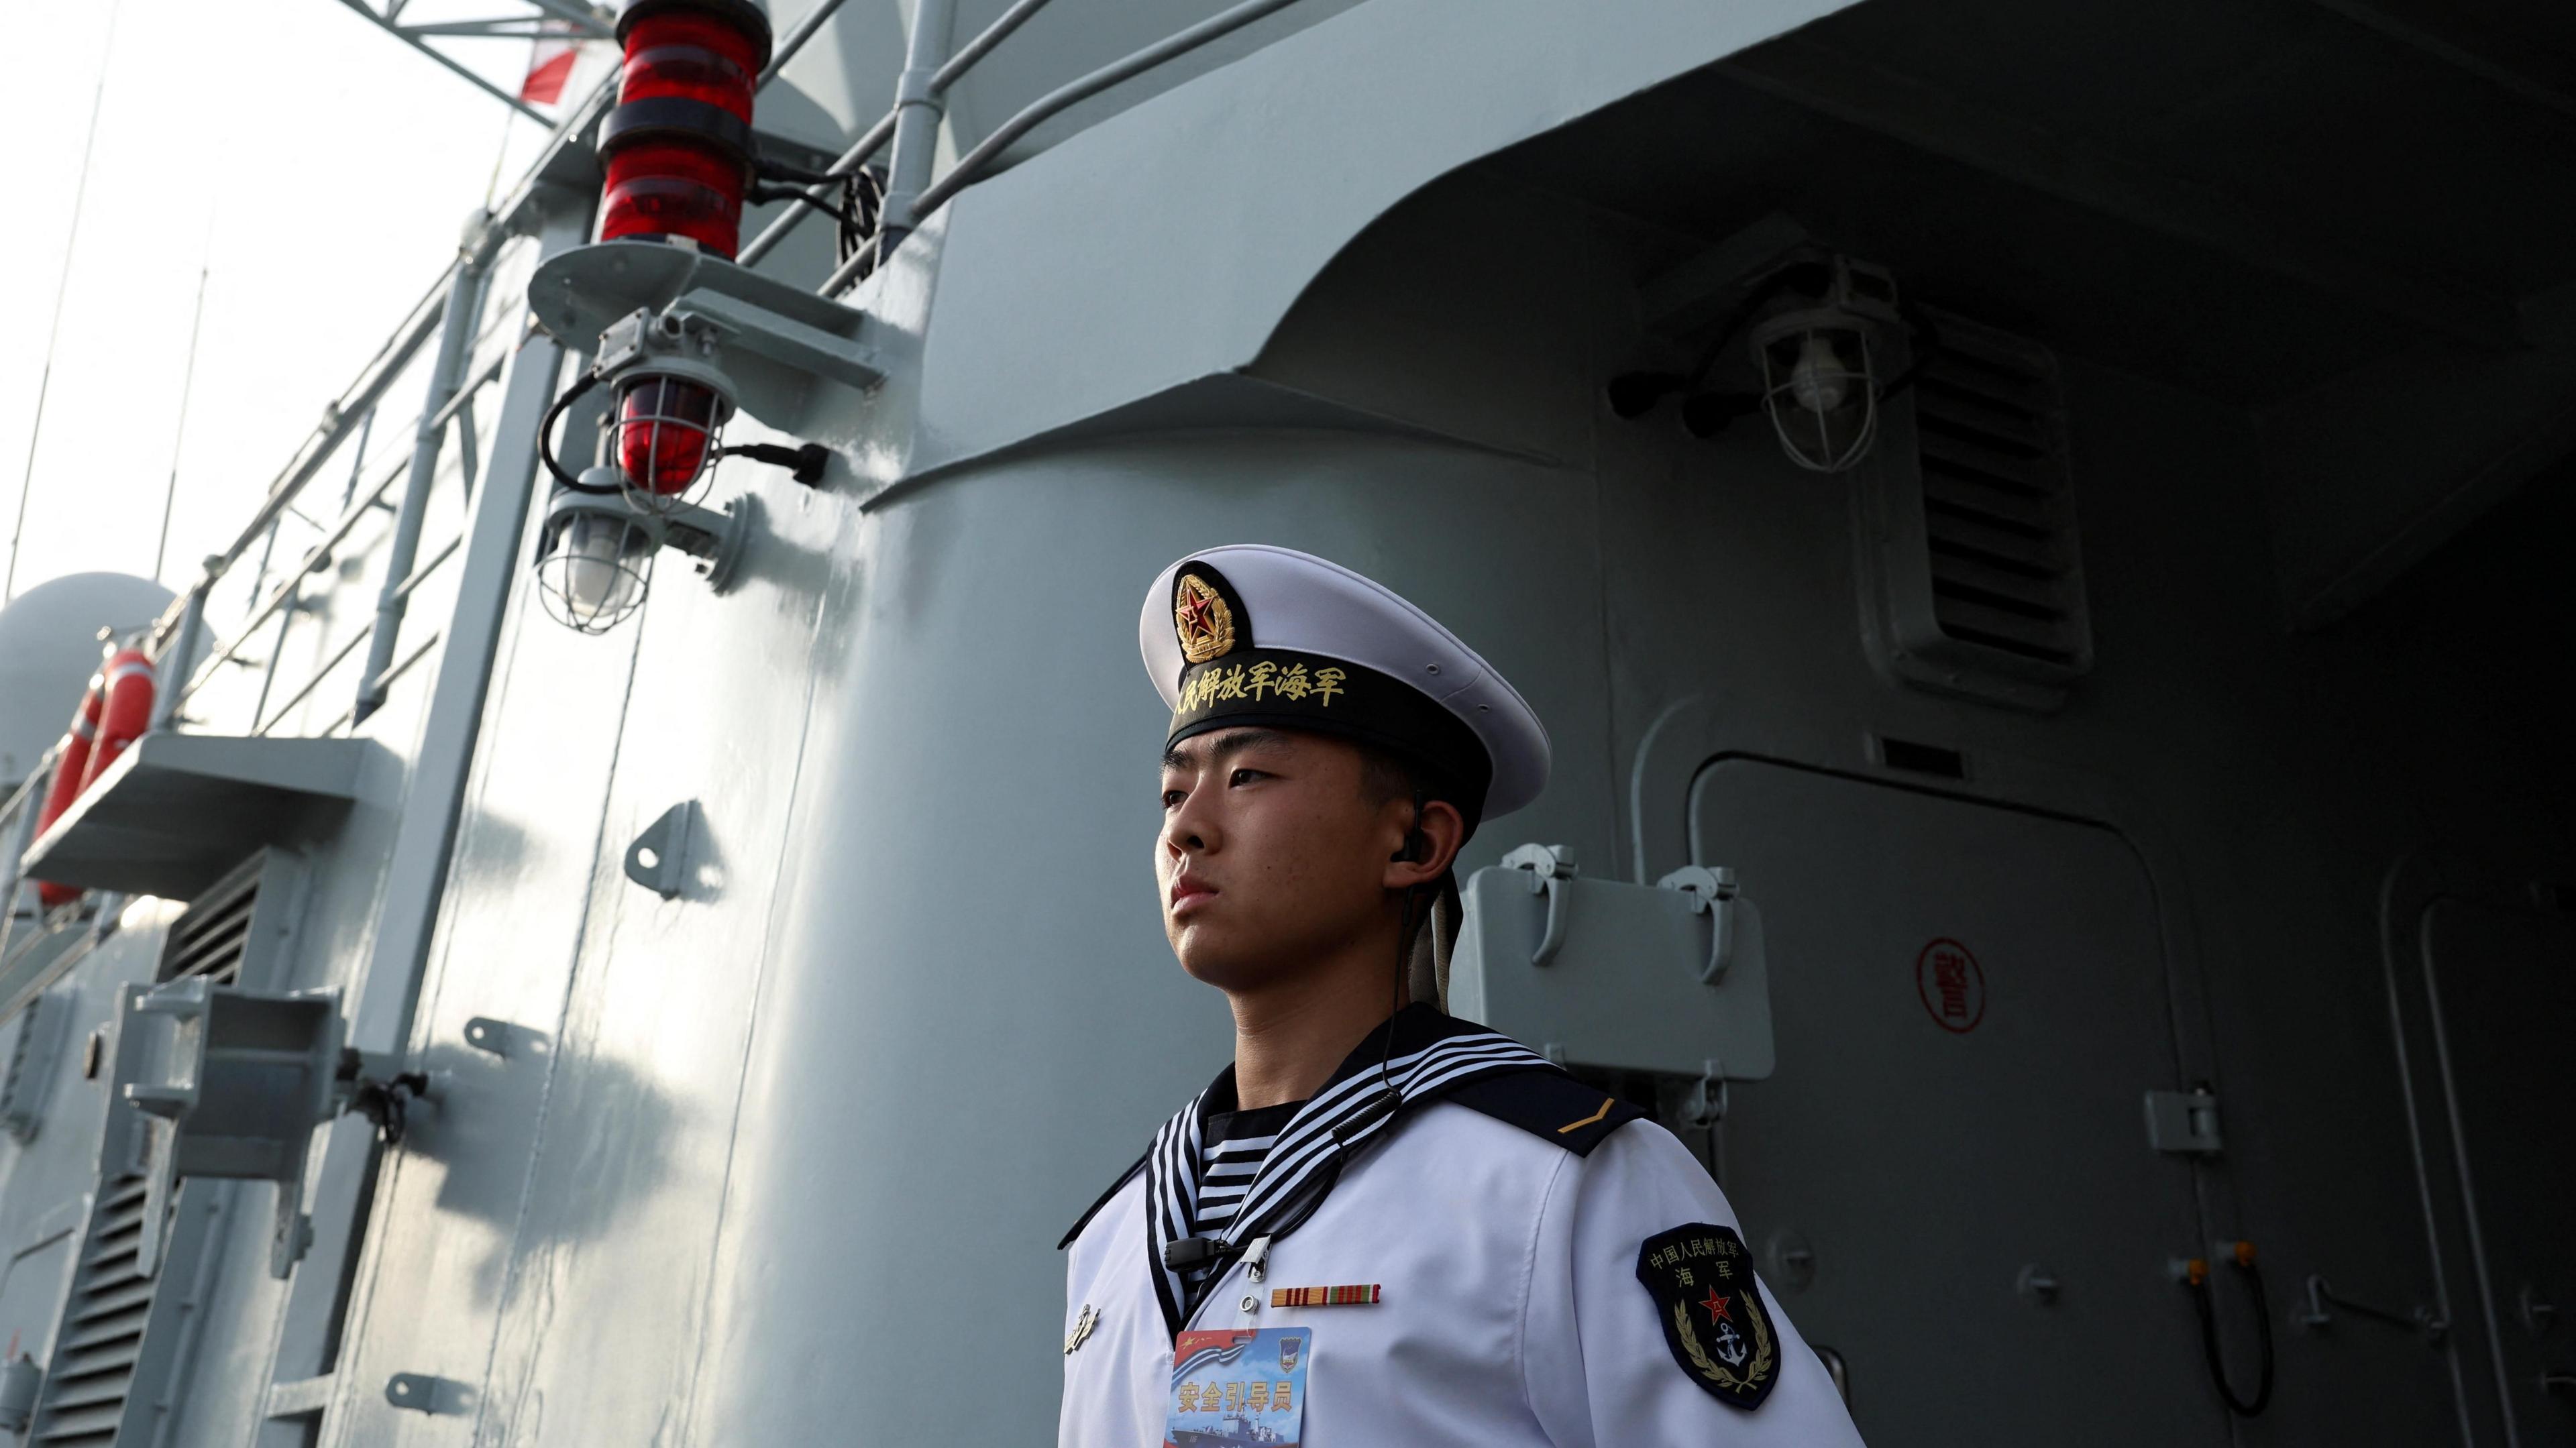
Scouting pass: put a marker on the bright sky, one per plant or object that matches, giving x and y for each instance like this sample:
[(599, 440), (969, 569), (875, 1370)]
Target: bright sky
[(313, 168)]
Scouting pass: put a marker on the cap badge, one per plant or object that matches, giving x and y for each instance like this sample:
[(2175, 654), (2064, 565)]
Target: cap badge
[(1202, 618)]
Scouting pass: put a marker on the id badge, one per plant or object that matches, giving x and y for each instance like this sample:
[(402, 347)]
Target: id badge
[(1243, 1388)]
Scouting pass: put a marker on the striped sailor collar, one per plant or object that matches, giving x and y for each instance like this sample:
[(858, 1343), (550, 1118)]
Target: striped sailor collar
[(1422, 1054)]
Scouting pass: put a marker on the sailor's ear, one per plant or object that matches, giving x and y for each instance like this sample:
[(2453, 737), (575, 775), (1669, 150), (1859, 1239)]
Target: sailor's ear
[(1429, 847)]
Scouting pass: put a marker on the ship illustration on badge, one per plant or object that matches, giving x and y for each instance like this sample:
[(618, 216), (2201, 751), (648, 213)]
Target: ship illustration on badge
[(1240, 1388)]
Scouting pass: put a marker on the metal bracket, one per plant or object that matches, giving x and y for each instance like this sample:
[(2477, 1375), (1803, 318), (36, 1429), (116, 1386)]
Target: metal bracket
[(20, 1380), (1793, 1260), (1708, 1100), (2184, 1123), (1711, 893), (772, 342), (659, 858), (716, 539), (2539, 1314), (2036, 1285), (231, 1087), (2317, 1312), (426, 1393), (1547, 865)]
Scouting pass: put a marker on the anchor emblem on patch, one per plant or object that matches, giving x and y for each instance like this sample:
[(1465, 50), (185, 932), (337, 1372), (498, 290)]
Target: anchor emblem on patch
[(1700, 1277)]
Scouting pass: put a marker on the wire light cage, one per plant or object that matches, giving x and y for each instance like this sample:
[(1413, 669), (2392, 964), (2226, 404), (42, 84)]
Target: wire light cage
[(669, 432), (597, 568), (1820, 387)]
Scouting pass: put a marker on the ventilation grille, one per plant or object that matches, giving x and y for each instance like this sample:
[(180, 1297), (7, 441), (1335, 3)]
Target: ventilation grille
[(1999, 525), (1976, 572), (102, 1331), (31, 1037), (213, 936)]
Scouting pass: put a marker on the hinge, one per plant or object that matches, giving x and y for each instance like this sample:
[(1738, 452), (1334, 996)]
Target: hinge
[(2184, 1123)]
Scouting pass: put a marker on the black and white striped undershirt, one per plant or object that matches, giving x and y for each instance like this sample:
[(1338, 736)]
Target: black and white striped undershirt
[(1237, 1142)]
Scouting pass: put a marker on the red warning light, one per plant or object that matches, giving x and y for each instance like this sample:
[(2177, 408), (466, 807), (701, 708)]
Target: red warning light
[(679, 145)]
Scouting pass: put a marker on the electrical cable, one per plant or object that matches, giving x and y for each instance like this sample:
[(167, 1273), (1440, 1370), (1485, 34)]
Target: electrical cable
[(2202, 1293), (546, 433), (1404, 929)]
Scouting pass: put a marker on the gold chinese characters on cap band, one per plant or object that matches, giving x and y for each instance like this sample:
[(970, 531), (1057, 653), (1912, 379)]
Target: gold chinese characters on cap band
[(1202, 618)]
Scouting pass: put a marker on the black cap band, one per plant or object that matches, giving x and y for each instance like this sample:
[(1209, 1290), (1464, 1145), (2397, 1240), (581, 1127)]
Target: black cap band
[(1286, 689)]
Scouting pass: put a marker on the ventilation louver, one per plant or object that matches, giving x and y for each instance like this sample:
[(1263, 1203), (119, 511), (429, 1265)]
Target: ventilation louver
[(1979, 569), (101, 1339), (211, 939), (33, 1040)]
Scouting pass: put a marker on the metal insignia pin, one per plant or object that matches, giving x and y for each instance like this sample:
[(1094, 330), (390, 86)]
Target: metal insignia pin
[(1088, 1319)]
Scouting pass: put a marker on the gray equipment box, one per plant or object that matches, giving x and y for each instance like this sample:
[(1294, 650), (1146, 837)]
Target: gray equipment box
[(1667, 977)]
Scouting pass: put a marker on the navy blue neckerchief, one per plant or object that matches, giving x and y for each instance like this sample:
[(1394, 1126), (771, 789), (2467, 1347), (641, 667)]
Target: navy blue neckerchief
[(1424, 1055)]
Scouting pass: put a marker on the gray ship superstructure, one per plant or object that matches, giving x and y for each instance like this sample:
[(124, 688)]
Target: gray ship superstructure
[(2038, 533)]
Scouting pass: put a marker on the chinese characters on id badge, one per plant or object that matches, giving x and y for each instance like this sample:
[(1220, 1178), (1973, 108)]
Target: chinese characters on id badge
[(1238, 1389)]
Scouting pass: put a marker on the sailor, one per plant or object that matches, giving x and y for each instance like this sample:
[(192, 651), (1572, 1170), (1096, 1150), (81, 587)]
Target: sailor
[(1382, 1225)]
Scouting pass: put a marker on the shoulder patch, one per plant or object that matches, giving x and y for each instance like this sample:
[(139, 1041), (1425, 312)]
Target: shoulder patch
[(1550, 1105), (1700, 1276), (1093, 1210)]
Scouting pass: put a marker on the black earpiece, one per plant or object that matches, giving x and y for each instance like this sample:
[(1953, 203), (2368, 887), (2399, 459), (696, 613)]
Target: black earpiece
[(1417, 845)]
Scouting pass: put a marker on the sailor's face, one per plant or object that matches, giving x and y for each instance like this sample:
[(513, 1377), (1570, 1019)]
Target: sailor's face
[(1271, 853)]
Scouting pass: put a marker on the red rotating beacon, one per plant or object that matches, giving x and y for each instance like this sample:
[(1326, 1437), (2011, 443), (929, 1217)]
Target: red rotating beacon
[(680, 156)]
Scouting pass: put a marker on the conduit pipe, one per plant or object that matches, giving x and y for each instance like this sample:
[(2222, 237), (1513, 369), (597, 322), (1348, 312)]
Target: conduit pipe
[(1052, 104), (865, 148), (917, 112)]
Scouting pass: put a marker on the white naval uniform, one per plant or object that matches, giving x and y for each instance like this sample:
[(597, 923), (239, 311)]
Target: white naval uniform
[(1511, 1310)]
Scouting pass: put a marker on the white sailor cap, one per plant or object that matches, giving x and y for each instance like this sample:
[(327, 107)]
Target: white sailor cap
[(1249, 634)]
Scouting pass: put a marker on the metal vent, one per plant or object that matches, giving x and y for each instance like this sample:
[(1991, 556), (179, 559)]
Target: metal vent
[(1981, 575), (101, 1337), (34, 1040), (212, 937), (123, 1336)]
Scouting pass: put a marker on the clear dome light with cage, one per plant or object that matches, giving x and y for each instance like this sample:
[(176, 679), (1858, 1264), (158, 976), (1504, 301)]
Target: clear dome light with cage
[(1819, 386), (598, 567)]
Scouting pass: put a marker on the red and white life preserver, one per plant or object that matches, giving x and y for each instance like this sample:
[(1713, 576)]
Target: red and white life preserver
[(71, 772), (128, 711)]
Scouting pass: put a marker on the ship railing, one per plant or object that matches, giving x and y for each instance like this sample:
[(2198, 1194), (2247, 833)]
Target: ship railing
[(911, 127), (450, 311), (475, 329)]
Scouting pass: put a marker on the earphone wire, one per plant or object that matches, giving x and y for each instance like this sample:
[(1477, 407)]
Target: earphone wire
[(1403, 954)]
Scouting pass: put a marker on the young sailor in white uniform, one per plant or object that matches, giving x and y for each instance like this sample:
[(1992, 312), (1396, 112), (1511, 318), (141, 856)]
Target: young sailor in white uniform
[(1373, 1228)]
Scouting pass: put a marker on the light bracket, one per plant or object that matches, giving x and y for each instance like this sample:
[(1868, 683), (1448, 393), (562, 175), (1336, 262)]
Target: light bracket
[(771, 349)]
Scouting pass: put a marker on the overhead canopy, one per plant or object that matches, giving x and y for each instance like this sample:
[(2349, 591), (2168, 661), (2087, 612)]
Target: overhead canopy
[(177, 811)]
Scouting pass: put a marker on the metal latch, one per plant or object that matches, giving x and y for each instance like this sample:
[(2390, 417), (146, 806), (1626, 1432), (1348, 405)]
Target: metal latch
[(2322, 1302), (1548, 866), (2183, 1122), (1712, 893)]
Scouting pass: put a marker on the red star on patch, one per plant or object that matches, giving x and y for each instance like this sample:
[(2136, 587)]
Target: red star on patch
[(1716, 1306), (1194, 616)]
